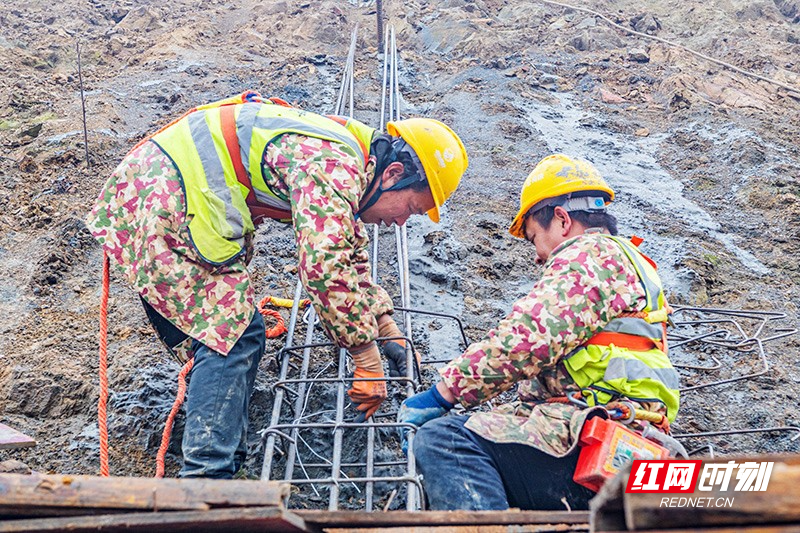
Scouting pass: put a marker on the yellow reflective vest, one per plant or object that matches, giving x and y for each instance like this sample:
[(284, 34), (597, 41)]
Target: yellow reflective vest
[(628, 357), (219, 149)]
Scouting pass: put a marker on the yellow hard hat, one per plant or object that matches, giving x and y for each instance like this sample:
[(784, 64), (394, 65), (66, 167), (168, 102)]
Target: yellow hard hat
[(441, 152), (553, 176)]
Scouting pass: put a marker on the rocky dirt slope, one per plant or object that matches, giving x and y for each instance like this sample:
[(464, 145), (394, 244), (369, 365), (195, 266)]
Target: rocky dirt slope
[(705, 160)]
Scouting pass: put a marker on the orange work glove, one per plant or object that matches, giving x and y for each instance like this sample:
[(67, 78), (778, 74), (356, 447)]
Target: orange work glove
[(367, 395)]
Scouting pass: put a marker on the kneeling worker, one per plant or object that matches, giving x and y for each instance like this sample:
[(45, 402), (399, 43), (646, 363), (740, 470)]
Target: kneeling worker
[(594, 324)]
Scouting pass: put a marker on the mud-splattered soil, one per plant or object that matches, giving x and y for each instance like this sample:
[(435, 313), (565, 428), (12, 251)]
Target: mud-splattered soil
[(705, 161)]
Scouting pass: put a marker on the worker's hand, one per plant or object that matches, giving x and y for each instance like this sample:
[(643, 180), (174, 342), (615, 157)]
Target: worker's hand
[(367, 395), (394, 350), (420, 409)]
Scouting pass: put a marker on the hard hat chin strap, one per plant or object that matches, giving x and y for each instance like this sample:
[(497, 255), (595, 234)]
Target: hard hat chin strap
[(407, 181), (399, 150)]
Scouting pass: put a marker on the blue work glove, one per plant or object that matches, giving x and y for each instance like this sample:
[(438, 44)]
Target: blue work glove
[(419, 409)]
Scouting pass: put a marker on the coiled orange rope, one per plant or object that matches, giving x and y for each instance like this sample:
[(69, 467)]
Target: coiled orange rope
[(280, 326)]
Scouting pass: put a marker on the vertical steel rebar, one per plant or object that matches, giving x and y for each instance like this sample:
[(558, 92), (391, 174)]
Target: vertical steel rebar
[(83, 106), (379, 17), (404, 278), (269, 448), (292, 432), (333, 502), (299, 400)]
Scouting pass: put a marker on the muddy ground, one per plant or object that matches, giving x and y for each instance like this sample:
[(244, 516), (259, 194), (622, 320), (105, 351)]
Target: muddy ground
[(705, 161)]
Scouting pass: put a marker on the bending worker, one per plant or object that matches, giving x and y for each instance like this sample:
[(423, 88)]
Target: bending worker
[(594, 324), (178, 215)]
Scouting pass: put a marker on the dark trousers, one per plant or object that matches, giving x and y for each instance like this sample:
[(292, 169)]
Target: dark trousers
[(462, 470), (215, 436)]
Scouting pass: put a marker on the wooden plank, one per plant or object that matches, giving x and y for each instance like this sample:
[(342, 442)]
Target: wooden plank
[(59, 495), (355, 519), (223, 520), (516, 528), (738, 529), (10, 438)]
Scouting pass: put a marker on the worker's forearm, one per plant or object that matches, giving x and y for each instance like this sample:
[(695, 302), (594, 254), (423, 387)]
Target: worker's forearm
[(445, 392)]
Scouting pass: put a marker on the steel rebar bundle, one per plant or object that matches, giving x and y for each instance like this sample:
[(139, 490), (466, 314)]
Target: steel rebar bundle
[(728, 346), (297, 437)]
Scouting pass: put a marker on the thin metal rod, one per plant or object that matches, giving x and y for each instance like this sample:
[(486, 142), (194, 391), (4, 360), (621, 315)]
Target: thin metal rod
[(739, 432), (333, 503), (696, 451), (298, 403), (443, 315), (380, 464), (395, 84), (83, 106), (401, 237), (344, 425), (383, 87), (269, 449), (353, 40), (370, 466), (335, 482), (762, 356), (379, 17), (343, 380)]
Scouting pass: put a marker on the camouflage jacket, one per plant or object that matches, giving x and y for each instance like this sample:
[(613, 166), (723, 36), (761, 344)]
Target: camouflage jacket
[(324, 186), (587, 281), (139, 220)]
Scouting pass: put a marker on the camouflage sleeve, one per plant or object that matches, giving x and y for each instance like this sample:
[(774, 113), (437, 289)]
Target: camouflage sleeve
[(325, 185), (586, 283), (531, 390), (381, 301)]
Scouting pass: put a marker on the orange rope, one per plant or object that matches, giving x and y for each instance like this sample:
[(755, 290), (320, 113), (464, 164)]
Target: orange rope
[(565, 399), (165, 436), (280, 327), (633, 314), (657, 419), (558, 399), (103, 400)]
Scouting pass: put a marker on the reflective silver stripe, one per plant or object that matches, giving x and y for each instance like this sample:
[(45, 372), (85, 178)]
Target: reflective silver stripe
[(652, 289), (271, 201), (634, 326), (244, 131), (212, 167), (632, 369), (279, 124)]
